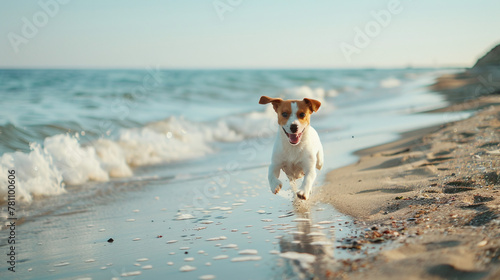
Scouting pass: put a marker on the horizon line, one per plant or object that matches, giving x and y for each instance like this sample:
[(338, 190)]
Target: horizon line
[(232, 68)]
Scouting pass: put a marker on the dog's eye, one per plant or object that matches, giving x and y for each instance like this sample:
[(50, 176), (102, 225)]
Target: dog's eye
[(284, 114), (302, 115)]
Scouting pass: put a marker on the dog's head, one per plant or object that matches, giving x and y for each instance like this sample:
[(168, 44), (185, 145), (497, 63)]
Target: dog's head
[(293, 115)]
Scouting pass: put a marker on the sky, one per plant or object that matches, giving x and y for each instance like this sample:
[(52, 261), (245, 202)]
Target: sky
[(246, 33)]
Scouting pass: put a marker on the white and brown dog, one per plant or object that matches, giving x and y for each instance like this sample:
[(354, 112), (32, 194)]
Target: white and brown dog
[(297, 150)]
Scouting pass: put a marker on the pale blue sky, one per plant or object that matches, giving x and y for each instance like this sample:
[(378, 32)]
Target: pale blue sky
[(255, 34)]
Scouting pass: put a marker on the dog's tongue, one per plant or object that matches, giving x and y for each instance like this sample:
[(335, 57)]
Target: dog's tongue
[(294, 138)]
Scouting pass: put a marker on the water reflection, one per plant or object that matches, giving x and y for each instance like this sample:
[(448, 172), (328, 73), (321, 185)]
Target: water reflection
[(307, 251)]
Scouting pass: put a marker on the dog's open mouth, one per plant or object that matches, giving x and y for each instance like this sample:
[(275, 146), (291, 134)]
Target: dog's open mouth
[(293, 138)]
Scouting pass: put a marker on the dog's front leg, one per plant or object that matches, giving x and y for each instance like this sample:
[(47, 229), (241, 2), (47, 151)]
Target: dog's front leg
[(306, 188), (273, 175)]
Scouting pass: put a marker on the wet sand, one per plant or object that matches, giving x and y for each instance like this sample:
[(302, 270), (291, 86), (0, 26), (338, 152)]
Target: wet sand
[(433, 196)]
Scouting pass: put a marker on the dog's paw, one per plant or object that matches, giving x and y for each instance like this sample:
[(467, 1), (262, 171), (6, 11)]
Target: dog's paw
[(276, 186), (277, 189), (302, 195)]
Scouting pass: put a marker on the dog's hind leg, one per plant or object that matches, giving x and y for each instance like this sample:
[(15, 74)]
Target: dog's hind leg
[(293, 184)]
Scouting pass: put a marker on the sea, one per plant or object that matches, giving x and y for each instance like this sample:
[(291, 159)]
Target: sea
[(172, 164)]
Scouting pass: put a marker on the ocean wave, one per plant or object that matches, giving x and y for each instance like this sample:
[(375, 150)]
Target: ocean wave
[(63, 159), (36, 173)]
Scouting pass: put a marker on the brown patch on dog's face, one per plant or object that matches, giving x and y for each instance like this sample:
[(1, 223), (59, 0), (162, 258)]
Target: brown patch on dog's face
[(284, 112), (303, 113)]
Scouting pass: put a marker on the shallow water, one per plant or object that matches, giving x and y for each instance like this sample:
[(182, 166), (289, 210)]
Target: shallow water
[(193, 166)]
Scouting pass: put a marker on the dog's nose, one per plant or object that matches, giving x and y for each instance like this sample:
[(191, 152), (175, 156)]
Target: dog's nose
[(294, 128)]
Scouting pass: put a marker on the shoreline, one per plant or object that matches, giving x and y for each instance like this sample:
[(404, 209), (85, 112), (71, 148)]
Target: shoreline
[(435, 191)]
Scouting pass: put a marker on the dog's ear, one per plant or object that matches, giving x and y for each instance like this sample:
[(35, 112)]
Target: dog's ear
[(313, 104), (275, 101)]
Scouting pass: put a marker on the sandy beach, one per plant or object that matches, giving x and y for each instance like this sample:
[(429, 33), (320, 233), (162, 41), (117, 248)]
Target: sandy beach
[(435, 193)]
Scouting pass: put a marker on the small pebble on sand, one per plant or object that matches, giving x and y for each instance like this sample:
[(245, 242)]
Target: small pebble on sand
[(184, 217), (248, 252), (482, 243), (207, 277), (301, 220), (216, 238), (247, 258), (187, 268), (132, 273)]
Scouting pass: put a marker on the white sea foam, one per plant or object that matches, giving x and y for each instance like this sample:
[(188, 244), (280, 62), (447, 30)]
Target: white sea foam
[(112, 157), (390, 82), (40, 175), (77, 164), (165, 141)]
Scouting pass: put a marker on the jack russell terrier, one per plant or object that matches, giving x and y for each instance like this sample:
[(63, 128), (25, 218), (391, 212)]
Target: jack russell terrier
[(297, 150)]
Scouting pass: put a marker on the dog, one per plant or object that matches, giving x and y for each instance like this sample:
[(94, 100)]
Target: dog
[(297, 149)]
